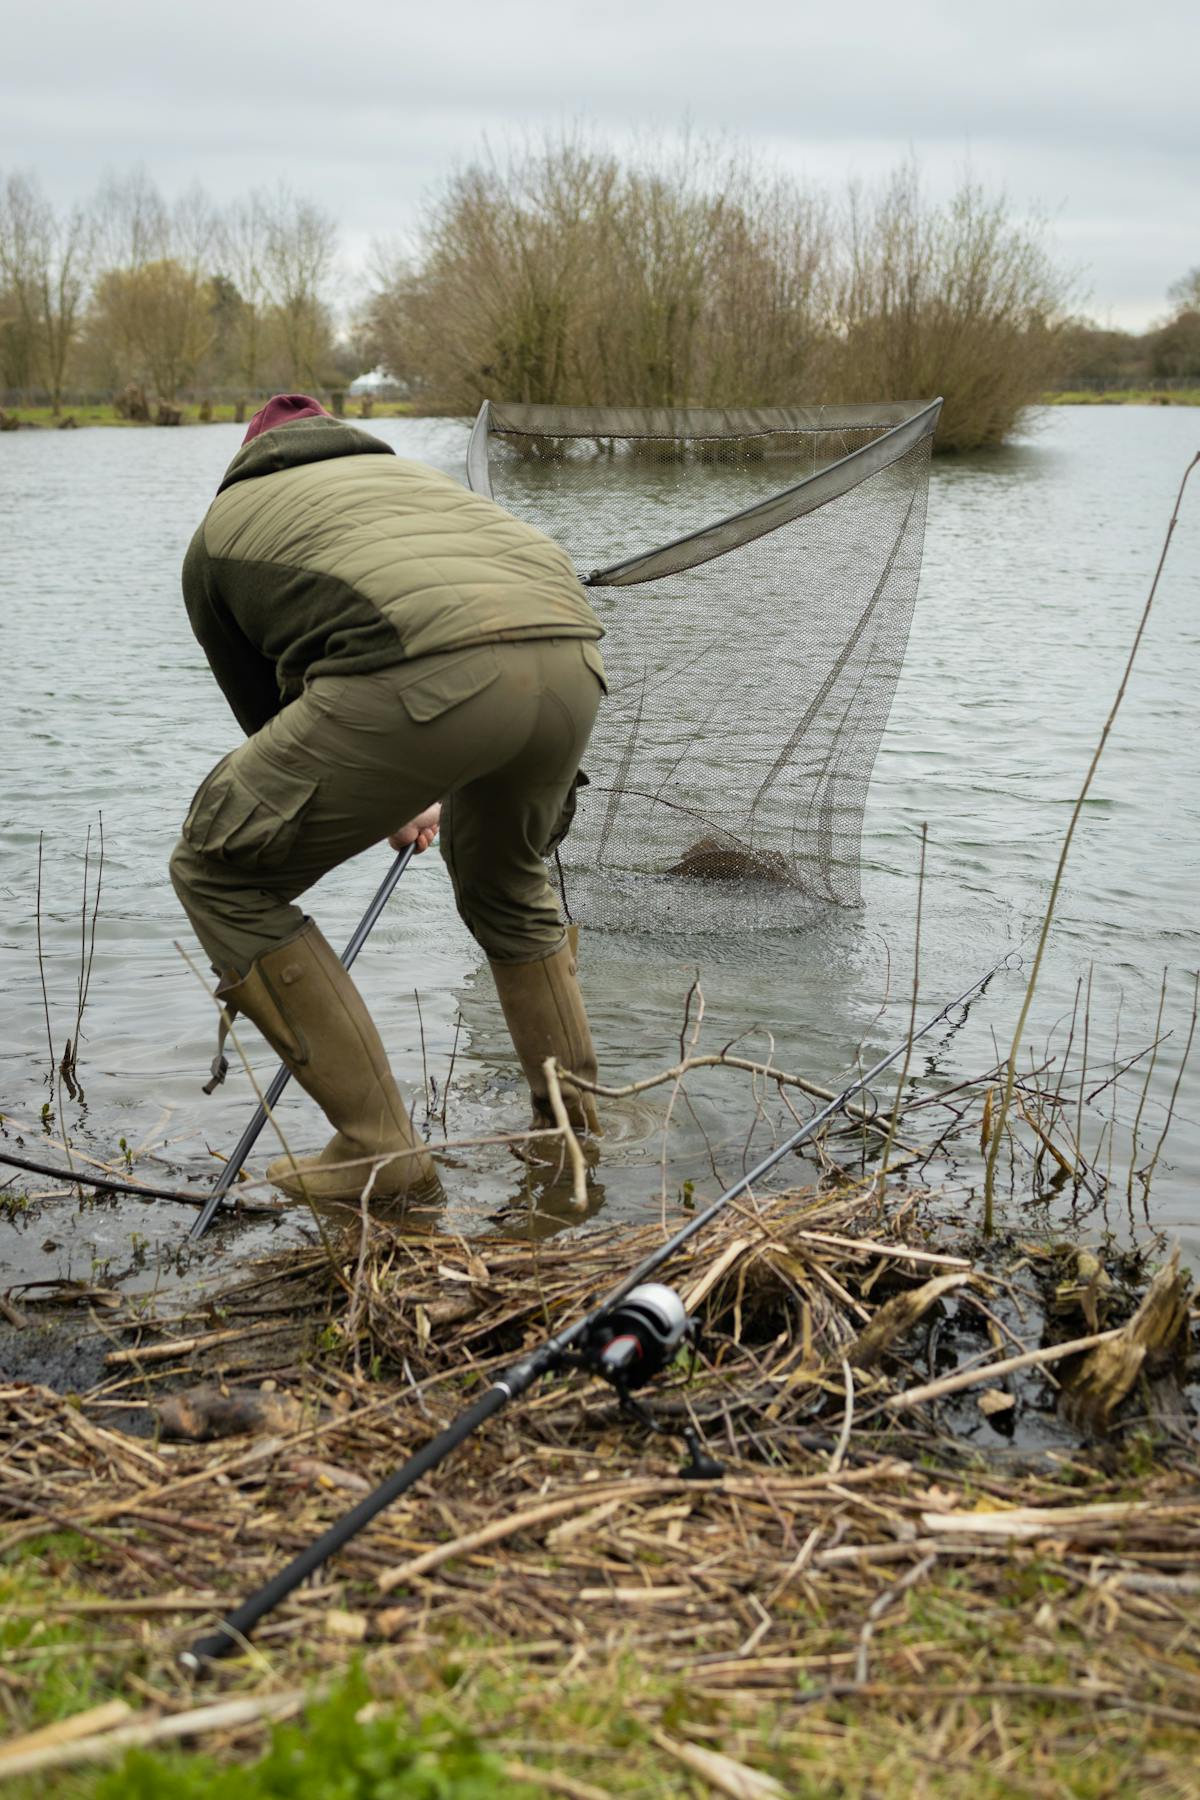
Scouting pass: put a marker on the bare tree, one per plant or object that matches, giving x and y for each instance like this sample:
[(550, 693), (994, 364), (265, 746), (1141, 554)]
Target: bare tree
[(1175, 344), (45, 265), (299, 249), (1184, 294), (241, 248), (17, 371), (154, 299), (562, 274)]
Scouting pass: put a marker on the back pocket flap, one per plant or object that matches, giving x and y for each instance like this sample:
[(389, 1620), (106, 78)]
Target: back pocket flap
[(455, 679)]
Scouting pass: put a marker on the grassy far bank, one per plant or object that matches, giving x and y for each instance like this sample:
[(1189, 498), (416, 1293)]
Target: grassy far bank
[(223, 413), (1125, 397), (42, 418)]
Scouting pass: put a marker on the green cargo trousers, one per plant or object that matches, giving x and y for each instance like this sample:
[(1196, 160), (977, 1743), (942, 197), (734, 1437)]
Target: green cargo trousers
[(496, 733)]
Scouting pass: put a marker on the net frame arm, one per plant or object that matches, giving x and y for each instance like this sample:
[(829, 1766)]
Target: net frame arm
[(696, 547)]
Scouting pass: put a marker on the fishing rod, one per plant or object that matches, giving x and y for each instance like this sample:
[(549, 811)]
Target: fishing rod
[(283, 1074), (625, 1339)]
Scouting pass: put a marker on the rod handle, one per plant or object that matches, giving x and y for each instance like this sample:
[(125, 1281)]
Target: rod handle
[(237, 1626)]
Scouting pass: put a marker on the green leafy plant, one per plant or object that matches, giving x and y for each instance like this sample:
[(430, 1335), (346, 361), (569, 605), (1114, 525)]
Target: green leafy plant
[(336, 1754)]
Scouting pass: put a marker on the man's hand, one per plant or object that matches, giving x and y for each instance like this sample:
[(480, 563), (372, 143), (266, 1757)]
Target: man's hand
[(420, 831)]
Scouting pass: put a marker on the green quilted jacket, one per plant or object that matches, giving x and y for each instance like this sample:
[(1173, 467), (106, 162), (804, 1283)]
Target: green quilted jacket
[(324, 553)]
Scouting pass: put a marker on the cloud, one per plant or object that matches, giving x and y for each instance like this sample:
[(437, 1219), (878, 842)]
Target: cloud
[(1084, 110)]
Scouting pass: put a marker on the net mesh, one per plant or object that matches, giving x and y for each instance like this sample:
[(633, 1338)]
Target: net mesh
[(756, 577)]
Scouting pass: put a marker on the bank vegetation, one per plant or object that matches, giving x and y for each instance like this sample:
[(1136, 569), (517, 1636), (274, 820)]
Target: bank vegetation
[(928, 1563), (564, 273)]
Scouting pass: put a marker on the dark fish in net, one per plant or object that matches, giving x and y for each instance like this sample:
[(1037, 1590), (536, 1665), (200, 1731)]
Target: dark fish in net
[(708, 860)]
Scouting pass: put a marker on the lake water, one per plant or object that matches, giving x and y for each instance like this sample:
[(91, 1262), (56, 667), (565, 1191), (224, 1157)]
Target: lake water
[(1037, 562)]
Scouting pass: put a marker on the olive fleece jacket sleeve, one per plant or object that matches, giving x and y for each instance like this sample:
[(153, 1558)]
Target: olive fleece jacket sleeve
[(246, 677)]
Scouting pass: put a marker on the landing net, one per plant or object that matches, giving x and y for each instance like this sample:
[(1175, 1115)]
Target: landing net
[(755, 572)]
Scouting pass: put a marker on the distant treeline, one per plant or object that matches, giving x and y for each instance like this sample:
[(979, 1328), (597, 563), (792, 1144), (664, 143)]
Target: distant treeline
[(569, 274), (130, 293), (1102, 360)]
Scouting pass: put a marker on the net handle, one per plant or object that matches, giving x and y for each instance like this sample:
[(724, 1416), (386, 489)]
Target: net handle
[(479, 474)]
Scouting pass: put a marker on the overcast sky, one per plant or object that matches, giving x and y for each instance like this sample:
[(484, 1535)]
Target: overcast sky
[(1088, 113)]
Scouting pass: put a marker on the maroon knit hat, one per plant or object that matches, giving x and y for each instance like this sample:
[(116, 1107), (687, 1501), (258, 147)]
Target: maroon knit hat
[(284, 409)]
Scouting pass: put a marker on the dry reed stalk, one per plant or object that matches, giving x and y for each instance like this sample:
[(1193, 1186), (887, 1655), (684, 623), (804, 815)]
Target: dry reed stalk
[(1076, 811), (1148, 1174), (562, 1524), (224, 1716)]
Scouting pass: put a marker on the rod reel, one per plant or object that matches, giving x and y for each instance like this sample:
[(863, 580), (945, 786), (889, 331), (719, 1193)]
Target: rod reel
[(631, 1344)]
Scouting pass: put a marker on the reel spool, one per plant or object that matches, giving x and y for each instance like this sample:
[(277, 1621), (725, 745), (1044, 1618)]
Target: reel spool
[(638, 1338)]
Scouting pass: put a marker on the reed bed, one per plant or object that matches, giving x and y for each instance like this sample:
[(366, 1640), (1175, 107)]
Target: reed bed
[(871, 1562)]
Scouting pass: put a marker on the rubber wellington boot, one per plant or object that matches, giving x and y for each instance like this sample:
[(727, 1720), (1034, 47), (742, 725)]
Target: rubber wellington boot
[(543, 1009), (313, 1016)]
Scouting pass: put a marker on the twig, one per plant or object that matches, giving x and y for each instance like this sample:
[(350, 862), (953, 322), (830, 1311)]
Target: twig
[(87, 953), (1141, 1106), (880, 1605), (450, 1071), (882, 1171), (1148, 1173), (111, 1185), (206, 1340), (719, 1060), (41, 960), (951, 1384), (1123, 1068), (424, 1062), (554, 1781), (684, 1053), (570, 1141), (839, 1453), (226, 1715), (1087, 1023)]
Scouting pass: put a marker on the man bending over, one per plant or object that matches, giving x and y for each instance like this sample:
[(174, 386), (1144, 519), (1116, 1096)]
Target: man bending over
[(388, 641)]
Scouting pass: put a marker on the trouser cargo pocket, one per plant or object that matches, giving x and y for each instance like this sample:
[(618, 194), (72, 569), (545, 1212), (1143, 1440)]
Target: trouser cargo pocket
[(248, 818)]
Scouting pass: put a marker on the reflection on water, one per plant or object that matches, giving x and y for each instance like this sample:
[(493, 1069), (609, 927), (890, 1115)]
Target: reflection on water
[(1036, 566)]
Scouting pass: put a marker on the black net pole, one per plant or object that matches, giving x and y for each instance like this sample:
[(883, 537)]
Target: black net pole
[(520, 1377), (283, 1074)]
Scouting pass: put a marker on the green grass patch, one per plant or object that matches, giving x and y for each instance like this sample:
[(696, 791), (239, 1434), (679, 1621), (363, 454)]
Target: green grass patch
[(51, 1658), (223, 413), (1124, 397), (341, 1751), (468, 1722)]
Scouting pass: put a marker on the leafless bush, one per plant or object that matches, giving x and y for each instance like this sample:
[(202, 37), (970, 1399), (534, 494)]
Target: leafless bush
[(700, 278), (959, 300), (564, 276)]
